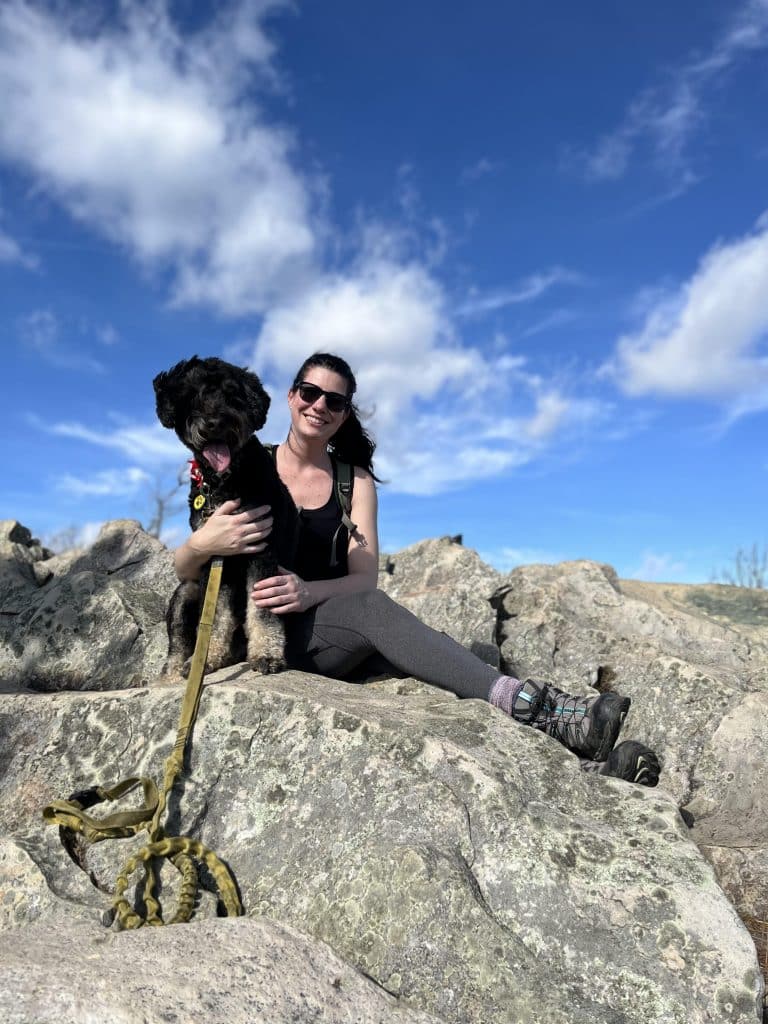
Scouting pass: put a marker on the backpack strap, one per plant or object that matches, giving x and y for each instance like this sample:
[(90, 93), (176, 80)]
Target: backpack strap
[(343, 483)]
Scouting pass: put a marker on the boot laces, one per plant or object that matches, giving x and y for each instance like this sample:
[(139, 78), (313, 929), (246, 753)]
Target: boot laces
[(566, 716)]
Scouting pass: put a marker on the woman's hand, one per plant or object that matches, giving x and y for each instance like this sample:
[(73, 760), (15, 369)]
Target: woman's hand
[(231, 532), (282, 594)]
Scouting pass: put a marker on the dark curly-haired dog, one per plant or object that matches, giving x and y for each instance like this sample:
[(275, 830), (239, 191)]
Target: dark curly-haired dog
[(215, 407)]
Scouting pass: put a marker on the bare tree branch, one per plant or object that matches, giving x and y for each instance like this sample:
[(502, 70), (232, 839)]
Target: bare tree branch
[(166, 502), (749, 569)]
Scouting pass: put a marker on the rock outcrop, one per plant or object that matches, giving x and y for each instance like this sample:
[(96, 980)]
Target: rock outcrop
[(445, 854), (92, 619), (694, 659)]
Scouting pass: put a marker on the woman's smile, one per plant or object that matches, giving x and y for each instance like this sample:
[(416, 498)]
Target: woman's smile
[(315, 420)]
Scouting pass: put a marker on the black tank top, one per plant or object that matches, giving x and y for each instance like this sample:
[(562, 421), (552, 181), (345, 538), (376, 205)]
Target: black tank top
[(317, 528)]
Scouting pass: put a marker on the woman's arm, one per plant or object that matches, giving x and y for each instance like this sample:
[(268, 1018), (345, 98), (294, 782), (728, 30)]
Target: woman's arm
[(290, 593), (227, 532)]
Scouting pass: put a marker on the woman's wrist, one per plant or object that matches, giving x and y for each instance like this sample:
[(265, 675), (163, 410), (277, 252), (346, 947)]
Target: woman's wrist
[(189, 558), (195, 545), (315, 592)]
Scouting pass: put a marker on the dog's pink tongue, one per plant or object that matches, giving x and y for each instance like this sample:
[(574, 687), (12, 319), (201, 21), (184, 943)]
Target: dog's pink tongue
[(217, 456)]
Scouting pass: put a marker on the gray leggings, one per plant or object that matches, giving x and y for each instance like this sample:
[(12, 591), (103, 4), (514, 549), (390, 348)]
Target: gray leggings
[(368, 633)]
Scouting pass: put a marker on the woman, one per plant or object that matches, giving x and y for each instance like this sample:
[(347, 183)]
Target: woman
[(337, 619)]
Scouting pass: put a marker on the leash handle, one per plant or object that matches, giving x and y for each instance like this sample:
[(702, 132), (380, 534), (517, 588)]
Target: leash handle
[(182, 851)]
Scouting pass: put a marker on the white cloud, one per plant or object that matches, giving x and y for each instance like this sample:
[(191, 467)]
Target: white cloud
[(73, 536), (387, 318), (154, 445), (551, 411), (527, 290), (441, 409), (11, 252), (505, 559), (707, 338), (664, 117), (40, 331), (544, 411), (480, 169), (656, 568), (107, 335), (107, 483), (551, 322), (168, 161)]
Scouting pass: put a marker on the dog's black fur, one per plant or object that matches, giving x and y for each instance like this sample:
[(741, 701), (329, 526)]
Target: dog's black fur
[(215, 407)]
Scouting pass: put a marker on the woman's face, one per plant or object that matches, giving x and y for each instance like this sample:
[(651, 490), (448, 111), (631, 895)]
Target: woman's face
[(315, 419)]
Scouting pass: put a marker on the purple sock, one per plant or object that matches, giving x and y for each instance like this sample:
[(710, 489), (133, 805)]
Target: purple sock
[(520, 701), (504, 693)]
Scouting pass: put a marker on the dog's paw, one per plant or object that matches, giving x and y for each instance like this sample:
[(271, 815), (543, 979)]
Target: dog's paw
[(173, 673), (267, 666)]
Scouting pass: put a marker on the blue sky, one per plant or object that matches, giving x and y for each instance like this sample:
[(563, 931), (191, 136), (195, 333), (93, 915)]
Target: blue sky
[(538, 232)]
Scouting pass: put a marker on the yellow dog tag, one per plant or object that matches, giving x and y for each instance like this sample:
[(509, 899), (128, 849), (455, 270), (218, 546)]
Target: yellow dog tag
[(198, 503)]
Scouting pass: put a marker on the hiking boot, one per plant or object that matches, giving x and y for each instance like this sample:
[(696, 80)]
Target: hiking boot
[(630, 761), (587, 726)]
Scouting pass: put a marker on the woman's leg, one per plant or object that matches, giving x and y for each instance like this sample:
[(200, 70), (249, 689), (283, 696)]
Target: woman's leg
[(344, 631), (348, 630)]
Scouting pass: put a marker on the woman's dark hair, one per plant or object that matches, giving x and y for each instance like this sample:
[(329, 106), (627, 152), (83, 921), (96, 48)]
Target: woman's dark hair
[(351, 443)]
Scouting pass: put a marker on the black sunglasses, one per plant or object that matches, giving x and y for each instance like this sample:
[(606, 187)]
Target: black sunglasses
[(310, 393)]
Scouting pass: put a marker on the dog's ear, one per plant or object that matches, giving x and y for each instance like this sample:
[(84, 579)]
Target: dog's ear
[(166, 408), (257, 398), (166, 387)]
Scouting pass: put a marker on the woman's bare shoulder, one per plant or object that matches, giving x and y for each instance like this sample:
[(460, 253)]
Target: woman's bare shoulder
[(364, 482)]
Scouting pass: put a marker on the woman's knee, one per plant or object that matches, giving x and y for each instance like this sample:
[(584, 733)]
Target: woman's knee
[(350, 609), (374, 602)]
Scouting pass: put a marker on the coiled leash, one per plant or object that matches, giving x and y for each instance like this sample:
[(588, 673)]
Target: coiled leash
[(182, 851)]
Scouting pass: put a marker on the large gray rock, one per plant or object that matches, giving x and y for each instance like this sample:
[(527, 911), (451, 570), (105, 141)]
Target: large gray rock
[(435, 845), (694, 659), (238, 971), (20, 558), (91, 619), (449, 587), (462, 861)]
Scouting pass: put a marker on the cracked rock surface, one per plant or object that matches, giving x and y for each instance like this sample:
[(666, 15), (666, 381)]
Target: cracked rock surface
[(461, 861)]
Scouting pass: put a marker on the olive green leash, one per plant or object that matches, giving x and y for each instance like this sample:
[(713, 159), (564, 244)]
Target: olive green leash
[(183, 851)]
